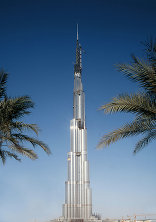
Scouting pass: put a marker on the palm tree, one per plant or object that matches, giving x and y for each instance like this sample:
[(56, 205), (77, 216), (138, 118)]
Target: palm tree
[(141, 104), (12, 129)]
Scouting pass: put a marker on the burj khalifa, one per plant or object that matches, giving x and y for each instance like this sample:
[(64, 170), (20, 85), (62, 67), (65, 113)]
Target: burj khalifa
[(78, 195)]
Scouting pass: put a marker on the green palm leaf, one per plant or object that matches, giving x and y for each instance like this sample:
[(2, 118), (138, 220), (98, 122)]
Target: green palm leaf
[(139, 103), (14, 108), (16, 147), (151, 135), (4, 154), (24, 126), (139, 126), (140, 71), (33, 141), (142, 105), (12, 128), (3, 81)]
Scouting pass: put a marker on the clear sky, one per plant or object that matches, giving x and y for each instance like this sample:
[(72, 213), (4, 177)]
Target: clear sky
[(37, 48)]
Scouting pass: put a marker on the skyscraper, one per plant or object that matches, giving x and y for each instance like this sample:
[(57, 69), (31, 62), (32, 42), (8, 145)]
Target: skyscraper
[(78, 200), (78, 195)]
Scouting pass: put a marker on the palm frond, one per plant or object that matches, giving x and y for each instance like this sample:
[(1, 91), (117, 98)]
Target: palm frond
[(3, 81), (145, 141), (4, 154), (29, 153), (140, 71), (138, 103), (23, 151), (150, 48), (14, 108), (11, 130), (14, 145), (142, 105), (20, 126), (33, 141), (137, 127), (12, 155)]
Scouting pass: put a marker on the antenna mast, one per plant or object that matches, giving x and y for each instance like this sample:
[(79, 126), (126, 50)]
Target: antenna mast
[(77, 32)]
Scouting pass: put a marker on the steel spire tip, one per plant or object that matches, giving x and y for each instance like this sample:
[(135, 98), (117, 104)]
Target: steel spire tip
[(77, 33)]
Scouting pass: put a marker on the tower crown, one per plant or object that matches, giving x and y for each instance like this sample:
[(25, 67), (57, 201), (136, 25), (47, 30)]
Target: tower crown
[(78, 64)]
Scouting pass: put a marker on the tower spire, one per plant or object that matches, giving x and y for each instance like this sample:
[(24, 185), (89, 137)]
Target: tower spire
[(77, 32), (78, 64)]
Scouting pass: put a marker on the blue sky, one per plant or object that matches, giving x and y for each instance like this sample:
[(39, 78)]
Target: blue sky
[(37, 45)]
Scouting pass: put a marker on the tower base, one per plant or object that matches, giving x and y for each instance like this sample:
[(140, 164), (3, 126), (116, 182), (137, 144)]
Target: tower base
[(91, 219)]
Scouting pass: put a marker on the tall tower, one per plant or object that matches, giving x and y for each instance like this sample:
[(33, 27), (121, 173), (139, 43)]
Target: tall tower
[(78, 196)]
